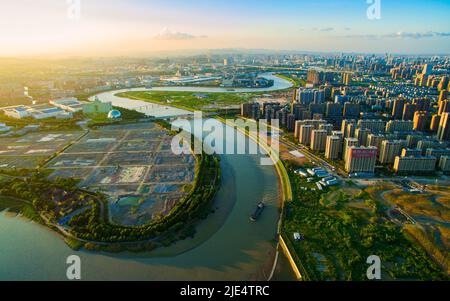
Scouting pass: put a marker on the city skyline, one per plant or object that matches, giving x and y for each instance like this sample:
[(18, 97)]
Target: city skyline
[(110, 28)]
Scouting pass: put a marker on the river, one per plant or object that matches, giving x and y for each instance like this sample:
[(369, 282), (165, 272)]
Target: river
[(162, 111), (236, 250)]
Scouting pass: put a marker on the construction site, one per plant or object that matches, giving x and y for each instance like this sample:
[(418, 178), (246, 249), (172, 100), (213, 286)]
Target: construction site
[(133, 165), (32, 149)]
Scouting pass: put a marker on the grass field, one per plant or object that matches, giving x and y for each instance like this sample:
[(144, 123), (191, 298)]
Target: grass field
[(424, 204), (17, 206), (298, 82), (344, 225), (190, 100), (344, 193)]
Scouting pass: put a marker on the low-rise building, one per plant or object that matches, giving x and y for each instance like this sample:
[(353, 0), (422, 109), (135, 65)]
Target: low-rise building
[(18, 112), (4, 128), (97, 107), (329, 181), (68, 104), (36, 113), (50, 113)]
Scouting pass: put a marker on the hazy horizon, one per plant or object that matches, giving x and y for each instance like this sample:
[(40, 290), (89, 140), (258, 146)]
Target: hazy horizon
[(207, 51)]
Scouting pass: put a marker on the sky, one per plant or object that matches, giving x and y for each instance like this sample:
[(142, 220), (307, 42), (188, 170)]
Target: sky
[(138, 27)]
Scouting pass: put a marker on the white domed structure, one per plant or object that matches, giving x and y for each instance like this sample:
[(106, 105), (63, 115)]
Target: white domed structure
[(114, 114)]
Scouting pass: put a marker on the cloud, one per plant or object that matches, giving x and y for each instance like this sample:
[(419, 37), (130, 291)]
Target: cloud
[(347, 28), (410, 35), (403, 35), (442, 34), (323, 29), (167, 34)]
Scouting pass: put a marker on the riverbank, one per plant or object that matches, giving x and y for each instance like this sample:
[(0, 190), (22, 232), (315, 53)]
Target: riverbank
[(63, 197), (283, 178), (286, 196), (244, 247)]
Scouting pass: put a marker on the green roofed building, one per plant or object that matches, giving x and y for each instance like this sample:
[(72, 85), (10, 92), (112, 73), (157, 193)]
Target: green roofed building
[(97, 107)]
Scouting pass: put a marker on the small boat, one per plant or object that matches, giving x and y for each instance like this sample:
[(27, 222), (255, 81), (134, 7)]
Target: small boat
[(259, 209)]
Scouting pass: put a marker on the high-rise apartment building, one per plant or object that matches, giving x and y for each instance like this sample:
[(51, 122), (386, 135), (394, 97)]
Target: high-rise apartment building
[(362, 135), (444, 107), (318, 140), (327, 127), (397, 109), (443, 95), (351, 110), (305, 134), (348, 142), (346, 78), (414, 164), (290, 122), (444, 164), (375, 140), (399, 126), (374, 125), (333, 148), (408, 111), (443, 133), (319, 96), (408, 152), (344, 127), (421, 121), (434, 125), (250, 110), (361, 159), (422, 104), (443, 84), (389, 150)]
